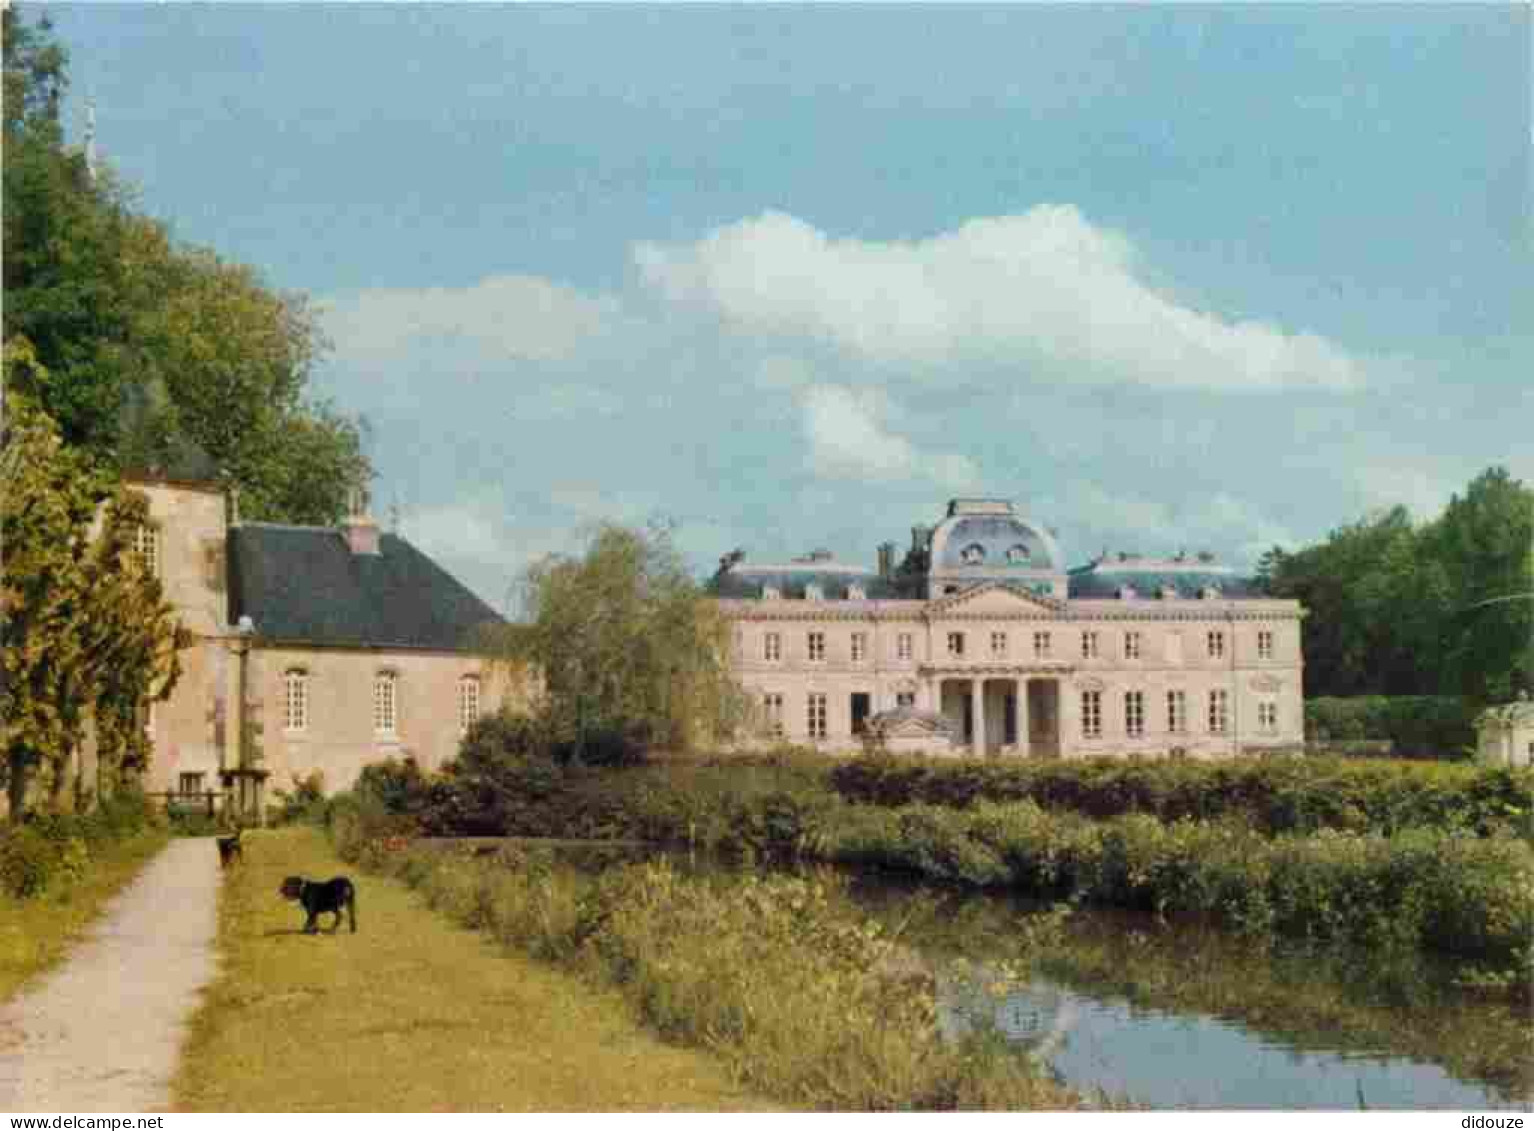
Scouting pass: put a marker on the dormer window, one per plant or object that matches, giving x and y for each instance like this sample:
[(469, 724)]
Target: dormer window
[(973, 554), (856, 593), (1209, 592), (1017, 554), (813, 592), (1167, 592), (771, 592), (1125, 592)]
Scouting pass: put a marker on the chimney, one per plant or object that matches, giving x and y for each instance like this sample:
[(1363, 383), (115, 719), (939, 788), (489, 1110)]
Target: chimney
[(359, 528), (919, 536), (886, 559)]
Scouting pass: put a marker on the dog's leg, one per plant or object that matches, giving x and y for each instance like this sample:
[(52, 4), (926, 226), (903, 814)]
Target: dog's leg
[(312, 926)]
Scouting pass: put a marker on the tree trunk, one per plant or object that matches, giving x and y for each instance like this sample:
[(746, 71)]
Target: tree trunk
[(16, 788)]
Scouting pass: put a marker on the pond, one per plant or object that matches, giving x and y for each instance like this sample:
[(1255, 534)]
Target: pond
[(1184, 1015), (1166, 1015)]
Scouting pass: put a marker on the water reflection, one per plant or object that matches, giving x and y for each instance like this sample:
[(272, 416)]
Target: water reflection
[(1179, 1060)]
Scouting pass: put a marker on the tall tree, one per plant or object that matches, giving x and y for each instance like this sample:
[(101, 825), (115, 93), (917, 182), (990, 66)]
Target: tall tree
[(155, 351), (625, 640)]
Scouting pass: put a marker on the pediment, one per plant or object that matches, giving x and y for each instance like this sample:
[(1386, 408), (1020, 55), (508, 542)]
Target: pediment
[(995, 598)]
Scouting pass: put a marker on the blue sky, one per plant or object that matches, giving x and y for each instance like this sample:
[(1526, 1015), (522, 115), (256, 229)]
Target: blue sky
[(1170, 277)]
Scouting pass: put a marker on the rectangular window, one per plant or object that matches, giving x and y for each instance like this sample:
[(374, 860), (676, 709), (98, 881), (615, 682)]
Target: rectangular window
[(1089, 645), (999, 645), (1092, 714), (468, 703), (191, 783), (1041, 645), (146, 543), (1174, 647), (1267, 716), (903, 646), (1177, 712), (1131, 645), (817, 642), (905, 699), (1216, 645), (772, 709), (859, 647), (295, 718), (1218, 708), (383, 704), (772, 647), (1134, 713), (817, 714), (956, 644), (1264, 644)]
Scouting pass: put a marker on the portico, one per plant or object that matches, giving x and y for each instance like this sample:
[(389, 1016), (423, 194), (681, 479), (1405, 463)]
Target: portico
[(1001, 710)]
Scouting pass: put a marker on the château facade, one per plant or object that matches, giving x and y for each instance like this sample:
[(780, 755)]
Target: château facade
[(981, 641)]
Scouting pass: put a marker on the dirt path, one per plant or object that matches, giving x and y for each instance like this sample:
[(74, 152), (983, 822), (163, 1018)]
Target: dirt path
[(102, 1032)]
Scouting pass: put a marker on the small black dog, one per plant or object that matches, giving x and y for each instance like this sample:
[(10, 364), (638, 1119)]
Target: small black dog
[(330, 897), (229, 849)]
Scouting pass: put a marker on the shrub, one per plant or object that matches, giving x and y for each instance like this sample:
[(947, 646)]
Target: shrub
[(1439, 726)]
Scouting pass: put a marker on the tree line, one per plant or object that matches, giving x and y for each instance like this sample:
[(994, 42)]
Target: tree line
[(1443, 607)]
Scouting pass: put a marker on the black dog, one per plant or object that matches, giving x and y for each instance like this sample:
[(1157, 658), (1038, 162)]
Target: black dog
[(330, 897), (229, 849)]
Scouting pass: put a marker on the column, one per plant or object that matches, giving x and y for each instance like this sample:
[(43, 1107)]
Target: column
[(977, 713), (1021, 694)]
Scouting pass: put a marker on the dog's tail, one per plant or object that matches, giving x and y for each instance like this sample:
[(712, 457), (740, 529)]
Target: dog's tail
[(351, 906)]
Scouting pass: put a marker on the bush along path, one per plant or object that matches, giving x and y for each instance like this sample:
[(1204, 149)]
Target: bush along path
[(102, 1032), (410, 1014)]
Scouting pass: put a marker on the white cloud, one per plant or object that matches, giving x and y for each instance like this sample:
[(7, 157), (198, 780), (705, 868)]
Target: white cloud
[(1045, 288), (848, 440), (505, 316)]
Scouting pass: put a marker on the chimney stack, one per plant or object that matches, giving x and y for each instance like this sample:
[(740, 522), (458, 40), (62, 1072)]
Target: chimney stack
[(359, 528), (887, 559)]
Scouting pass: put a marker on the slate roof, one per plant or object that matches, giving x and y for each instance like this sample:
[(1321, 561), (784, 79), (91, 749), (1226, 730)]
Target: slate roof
[(1101, 580), (303, 584), (744, 582)]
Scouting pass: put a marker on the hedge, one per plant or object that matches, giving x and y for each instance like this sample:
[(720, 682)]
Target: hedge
[(1440, 726)]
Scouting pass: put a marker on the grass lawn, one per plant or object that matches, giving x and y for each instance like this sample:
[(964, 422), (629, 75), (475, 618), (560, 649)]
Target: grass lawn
[(36, 934), (411, 1014)]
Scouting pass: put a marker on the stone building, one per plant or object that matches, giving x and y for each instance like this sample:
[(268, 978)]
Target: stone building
[(982, 641), (316, 648), (1505, 734)]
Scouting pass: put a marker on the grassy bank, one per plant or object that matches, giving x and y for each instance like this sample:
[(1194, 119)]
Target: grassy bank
[(781, 978), (37, 932), (411, 1014)]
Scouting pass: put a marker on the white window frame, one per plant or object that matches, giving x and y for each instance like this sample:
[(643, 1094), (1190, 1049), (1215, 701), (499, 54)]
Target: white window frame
[(1041, 645), (386, 704), (815, 644), (772, 647), (469, 689), (146, 544), (1219, 711), (859, 647), (1134, 714), (295, 701), (1177, 711), (1264, 644), (1216, 644), (956, 645), (772, 710), (815, 714), (904, 646), (1131, 645), (1267, 716), (999, 645), (1089, 645), (192, 778), (1091, 714)]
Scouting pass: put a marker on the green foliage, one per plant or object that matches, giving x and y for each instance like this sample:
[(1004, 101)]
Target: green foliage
[(305, 804), (1275, 795), (1398, 609), (153, 354), (1419, 725), (85, 626), (630, 651), (50, 853), (724, 965)]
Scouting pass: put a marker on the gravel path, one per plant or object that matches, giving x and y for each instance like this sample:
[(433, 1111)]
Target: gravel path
[(102, 1032)]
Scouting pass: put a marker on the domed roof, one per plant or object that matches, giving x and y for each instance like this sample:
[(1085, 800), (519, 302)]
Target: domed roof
[(986, 533)]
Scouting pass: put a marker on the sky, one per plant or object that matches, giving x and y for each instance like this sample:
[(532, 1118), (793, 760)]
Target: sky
[(787, 277)]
